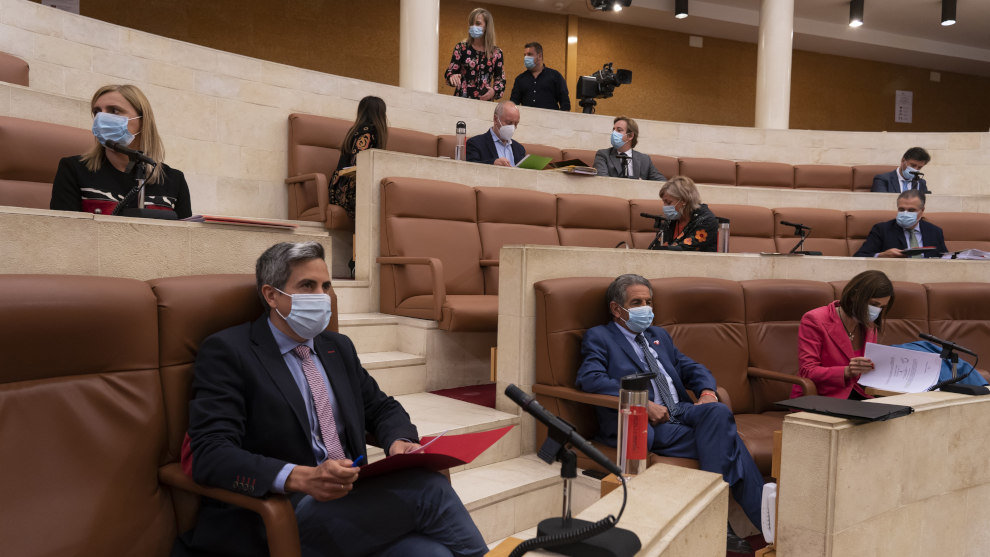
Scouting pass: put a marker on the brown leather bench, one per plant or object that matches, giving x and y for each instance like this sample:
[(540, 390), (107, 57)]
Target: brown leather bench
[(14, 70), (822, 177), (29, 155), (754, 323), (93, 427)]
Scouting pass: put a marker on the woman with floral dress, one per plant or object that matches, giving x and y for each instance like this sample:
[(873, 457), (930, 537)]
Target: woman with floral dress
[(370, 131), (476, 70), (690, 225)]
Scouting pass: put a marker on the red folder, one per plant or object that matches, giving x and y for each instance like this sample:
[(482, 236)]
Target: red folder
[(446, 452)]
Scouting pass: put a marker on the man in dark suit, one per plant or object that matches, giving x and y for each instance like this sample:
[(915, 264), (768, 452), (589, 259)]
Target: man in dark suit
[(904, 178), (705, 430), (619, 160), (889, 238), (496, 146), (281, 405)]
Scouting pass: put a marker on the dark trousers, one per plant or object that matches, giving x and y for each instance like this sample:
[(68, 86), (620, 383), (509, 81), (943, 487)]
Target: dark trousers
[(413, 512), (707, 432)]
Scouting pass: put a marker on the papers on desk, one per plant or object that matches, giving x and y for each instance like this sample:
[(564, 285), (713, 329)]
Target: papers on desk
[(900, 369), (239, 221), (534, 162), (973, 254)]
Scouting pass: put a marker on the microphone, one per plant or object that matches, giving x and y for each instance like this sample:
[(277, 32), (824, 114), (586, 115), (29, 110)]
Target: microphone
[(795, 225), (947, 344), (654, 217), (529, 404), (133, 154)]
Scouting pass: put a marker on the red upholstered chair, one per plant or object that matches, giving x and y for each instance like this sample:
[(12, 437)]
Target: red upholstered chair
[(595, 221), (828, 230), (431, 253), (822, 177), (863, 175), (750, 227), (29, 155), (708, 171), (512, 216), (764, 174)]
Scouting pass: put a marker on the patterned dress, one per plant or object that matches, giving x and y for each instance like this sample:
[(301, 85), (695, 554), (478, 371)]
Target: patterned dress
[(699, 234), (478, 71), (342, 190)]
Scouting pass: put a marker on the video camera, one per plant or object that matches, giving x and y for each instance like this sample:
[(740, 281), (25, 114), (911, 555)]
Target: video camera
[(600, 85)]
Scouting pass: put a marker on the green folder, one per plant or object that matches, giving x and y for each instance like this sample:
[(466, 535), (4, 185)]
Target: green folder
[(534, 162)]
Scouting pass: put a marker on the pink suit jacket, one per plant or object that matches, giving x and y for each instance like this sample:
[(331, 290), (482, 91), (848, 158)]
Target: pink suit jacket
[(824, 350)]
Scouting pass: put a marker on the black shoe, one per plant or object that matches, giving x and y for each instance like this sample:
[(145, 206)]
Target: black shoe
[(735, 544)]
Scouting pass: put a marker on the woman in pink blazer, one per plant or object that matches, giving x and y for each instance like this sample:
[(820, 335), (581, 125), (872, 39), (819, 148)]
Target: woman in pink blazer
[(832, 338)]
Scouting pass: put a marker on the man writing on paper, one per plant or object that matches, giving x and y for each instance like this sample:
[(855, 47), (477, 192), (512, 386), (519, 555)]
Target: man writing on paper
[(281, 405), (496, 146), (705, 430), (890, 238), (620, 161)]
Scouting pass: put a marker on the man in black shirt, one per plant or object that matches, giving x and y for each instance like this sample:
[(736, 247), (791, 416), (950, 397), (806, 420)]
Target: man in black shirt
[(540, 86)]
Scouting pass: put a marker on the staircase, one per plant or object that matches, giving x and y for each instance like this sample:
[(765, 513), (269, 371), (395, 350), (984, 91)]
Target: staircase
[(506, 492)]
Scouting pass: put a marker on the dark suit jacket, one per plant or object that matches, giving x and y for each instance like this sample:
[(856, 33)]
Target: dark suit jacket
[(481, 148), (889, 234), (247, 419), (607, 357), (890, 183), (607, 163)]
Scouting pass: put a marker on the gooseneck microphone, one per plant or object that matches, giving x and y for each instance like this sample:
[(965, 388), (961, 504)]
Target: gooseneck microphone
[(529, 404), (947, 344), (655, 217), (795, 225), (132, 154)]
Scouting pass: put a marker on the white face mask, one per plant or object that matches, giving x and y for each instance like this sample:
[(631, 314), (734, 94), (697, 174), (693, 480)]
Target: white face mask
[(310, 314), (873, 312), (505, 132)]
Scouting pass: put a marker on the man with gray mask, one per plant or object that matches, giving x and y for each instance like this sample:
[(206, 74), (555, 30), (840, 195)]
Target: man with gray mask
[(281, 405), (890, 238), (496, 146)]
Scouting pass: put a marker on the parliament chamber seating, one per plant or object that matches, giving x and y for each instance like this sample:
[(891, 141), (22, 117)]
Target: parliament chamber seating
[(754, 325), (822, 177), (708, 171), (29, 155), (440, 241), (14, 70), (93, 429)]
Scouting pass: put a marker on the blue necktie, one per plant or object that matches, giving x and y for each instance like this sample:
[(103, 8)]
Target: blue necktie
[(660, 381)]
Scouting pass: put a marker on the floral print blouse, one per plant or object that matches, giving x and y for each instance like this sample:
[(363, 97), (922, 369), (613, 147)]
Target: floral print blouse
[(478, 71), (699, 234)]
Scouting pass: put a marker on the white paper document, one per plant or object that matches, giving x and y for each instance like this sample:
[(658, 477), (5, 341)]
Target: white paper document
[(900, 369)]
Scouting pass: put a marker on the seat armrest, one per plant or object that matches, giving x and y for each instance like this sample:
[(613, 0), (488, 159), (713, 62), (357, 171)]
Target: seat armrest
[(806, 384), (275, 510), (723, 397), (575, 395), (489, 262), (436, 273), (296, 194)]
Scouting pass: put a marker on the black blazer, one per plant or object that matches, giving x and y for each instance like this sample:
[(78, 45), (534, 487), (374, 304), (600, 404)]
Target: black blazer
[(247, 419), (889, 234), (481, 148), (890, 183)]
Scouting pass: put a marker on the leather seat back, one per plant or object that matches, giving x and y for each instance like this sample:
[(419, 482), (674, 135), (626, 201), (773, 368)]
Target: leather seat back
[(668, 166), (764, 174), (412, 141), (14, 70), (595, 221), (82, 424), (542, 150), (859, 224), (822, 177), (708, 171), (642, 229), (963, 230), (314, 147), (863, 175), (960, 312), (29, 155), (828, 230), (587, 156), (702, 313), (513, 216), (750, 227)]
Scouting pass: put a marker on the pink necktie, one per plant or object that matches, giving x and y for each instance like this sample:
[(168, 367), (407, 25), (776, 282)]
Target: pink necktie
[(321, 400)]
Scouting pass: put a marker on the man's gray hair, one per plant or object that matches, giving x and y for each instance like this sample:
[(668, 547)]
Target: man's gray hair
[(617, 290), (913, 194), (275, 265), (500, 107)]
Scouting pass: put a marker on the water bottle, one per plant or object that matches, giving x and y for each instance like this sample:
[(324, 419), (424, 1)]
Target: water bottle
[(633, 423), (460, 137), (723, 235)]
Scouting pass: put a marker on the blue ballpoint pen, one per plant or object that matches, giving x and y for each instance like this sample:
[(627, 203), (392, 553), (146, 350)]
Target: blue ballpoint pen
[(357, 461)]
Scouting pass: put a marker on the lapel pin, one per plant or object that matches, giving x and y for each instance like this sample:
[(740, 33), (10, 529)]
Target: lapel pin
[(656, 342)]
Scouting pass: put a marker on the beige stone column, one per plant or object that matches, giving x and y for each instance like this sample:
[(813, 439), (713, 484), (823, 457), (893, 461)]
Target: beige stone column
[(419, 36), (773, 64)]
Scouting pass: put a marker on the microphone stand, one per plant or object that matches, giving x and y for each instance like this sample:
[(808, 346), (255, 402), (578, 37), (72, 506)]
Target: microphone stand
[(949, 355), (657, 242), (796, 250), (138, 169)]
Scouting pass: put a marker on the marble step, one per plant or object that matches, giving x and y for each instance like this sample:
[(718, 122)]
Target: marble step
[(379, 332), (434, 414), (397, 373), (353, 296)]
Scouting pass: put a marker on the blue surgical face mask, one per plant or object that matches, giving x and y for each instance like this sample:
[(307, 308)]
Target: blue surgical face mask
[(112, 127), (671, 212), (873, 312), (640, 318), (907, 219), (529, 62), (476, 31), (908, 173), (618, 140), (310, 314)]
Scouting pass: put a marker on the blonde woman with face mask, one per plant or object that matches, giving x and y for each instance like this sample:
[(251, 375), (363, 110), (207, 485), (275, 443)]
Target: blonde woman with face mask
[(96, 181), (476, 66)]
